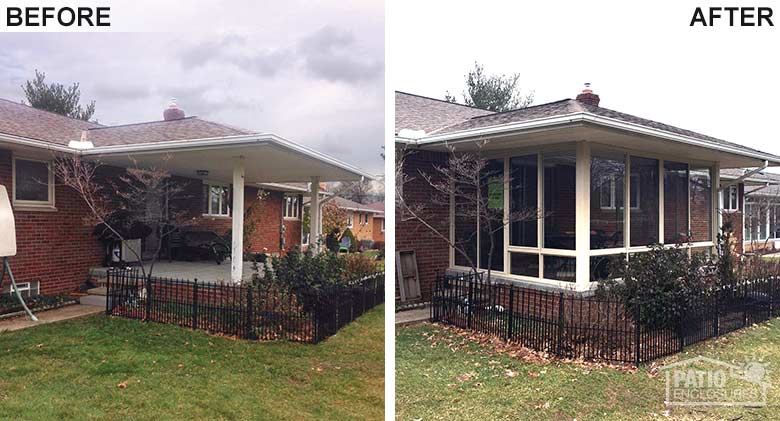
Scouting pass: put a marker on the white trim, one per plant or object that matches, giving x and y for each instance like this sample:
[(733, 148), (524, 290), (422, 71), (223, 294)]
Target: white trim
[(33, 205), (296, 207), (585, 117), (582, 216), (233, 141)]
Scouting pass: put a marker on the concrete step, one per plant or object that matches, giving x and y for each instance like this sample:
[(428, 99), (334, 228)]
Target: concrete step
[(410, 317), (94, 300), (98, 291)]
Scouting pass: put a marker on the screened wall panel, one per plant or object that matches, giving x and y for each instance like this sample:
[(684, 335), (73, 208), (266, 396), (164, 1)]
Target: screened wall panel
[(607, 200), (675, 202), (559, 200), (523, 196), (701, 204), (644, 192)]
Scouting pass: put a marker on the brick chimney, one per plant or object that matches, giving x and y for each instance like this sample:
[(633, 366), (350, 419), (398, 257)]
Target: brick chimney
[(587, 96), (173, 112)]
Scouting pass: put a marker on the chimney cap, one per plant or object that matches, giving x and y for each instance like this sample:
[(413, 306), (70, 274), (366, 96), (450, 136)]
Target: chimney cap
[(588, 97), (173, 112)]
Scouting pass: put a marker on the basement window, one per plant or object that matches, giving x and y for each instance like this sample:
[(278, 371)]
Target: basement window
[(26, 289), (33, 183)]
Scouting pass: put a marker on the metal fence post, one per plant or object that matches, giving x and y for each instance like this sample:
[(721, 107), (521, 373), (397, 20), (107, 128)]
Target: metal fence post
[(249, 330), (510, 316), (108, 291), (771, 296), (637, 334), (716, 321), (559, 347), (744, 305), (470, 304), (148, 296), (195, 304)]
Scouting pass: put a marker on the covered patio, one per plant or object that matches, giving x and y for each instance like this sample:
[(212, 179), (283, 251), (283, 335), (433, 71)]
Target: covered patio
[(237, 161), (603, 188)]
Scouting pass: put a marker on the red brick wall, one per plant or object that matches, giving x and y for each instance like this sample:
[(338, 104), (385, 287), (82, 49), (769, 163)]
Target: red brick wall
[(379, 235), (55, 247), (432, 252)]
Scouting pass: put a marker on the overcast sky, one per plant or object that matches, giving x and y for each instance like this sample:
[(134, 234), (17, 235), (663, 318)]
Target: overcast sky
[(642, 58), (312, 72)]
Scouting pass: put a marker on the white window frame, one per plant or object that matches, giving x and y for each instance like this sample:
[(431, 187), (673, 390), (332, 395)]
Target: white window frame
[(727, 198), (292, 202), (350, 220), (33, 204), (383, 224), (583, 256), (209, 211), (612, 198)]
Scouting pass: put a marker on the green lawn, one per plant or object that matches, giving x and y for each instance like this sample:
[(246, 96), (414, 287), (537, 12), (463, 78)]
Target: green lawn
[(441, 375), (110, 368)]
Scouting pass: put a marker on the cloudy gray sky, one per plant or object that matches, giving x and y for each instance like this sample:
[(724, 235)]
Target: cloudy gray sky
[(309, 71), (642, 58)]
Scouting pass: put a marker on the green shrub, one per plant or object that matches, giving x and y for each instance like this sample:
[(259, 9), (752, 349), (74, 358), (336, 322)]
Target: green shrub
[(661, 285), (332, 241), (305, 274), (358, 266)]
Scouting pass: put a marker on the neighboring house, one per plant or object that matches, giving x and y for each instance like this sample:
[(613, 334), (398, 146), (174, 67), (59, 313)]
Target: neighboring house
[(360, 217), (56, 249), (378, 226), (752, 204), (607, 183)]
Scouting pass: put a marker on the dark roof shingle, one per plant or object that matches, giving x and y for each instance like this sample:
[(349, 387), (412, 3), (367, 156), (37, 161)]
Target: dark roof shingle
[(160, 131), (416, 112), (25, 121)]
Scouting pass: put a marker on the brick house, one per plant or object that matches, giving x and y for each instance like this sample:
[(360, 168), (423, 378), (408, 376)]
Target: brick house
[(360, 217), (223, 168), (607, 183), (378, 226)]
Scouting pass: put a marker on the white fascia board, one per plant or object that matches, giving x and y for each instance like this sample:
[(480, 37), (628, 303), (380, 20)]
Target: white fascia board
[(25, 141), (242, 140), (583, 117)]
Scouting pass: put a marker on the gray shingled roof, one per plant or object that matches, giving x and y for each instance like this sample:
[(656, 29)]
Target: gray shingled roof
[(420, 113), (416, 112), (160, 131), (25, 121), (352, 205)]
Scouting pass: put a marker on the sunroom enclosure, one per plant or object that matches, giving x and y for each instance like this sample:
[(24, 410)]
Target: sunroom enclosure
[(595, 201)]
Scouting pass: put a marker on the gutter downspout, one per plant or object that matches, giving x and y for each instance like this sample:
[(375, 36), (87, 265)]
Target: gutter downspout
[(744, 176), (758, 189)]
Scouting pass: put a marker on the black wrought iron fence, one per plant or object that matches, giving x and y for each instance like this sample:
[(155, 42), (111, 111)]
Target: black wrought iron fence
[(595, 328), (263, 311)]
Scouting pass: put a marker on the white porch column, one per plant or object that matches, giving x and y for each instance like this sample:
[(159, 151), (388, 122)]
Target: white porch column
[(314, 217), (237, 253), (717, 221), (582, 231)]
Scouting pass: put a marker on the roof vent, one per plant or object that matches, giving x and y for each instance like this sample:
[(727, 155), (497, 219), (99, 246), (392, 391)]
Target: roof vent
[(173, 112), (81, 144), (588, 97)]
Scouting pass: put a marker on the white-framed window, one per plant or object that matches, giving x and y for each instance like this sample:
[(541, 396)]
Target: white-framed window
[(365, 219), (607, 196), (217, 199), (730, 198), (292, 207), (383, 224), (350, 220), (33, 183)]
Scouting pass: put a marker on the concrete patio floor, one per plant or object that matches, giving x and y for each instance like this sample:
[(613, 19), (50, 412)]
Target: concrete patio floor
[(206, 271)]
